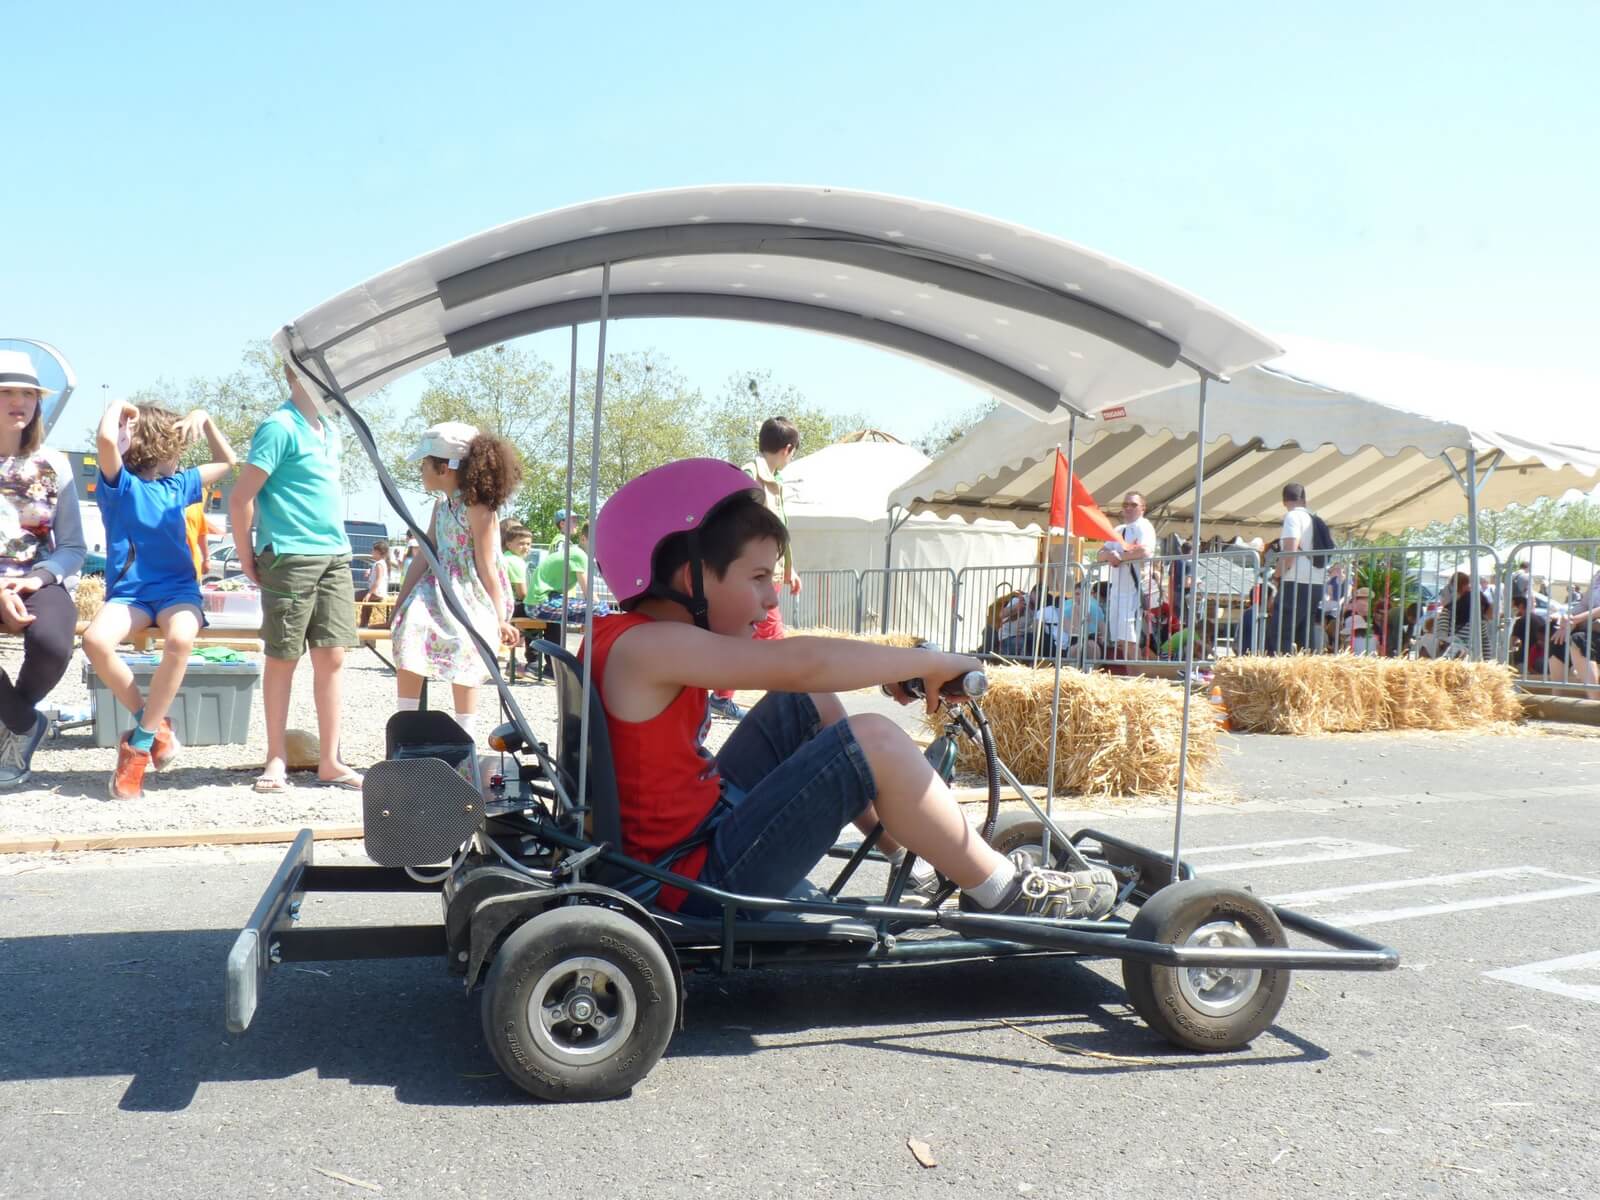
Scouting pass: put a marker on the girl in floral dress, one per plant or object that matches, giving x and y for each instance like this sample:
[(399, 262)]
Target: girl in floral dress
[(474, 474)]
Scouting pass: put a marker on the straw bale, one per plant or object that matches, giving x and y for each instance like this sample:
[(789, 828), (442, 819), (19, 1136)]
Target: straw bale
[(1118, 735), (907, 640), (89, 597), (1344, 693)]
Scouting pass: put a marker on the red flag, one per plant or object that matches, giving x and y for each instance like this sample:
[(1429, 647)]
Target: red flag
[(1087, 519)]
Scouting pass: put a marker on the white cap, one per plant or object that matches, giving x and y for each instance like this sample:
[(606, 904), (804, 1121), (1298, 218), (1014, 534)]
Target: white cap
[(447, 440)]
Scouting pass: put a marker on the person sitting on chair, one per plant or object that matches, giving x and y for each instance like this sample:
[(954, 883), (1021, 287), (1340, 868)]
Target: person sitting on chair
[(692, 555)]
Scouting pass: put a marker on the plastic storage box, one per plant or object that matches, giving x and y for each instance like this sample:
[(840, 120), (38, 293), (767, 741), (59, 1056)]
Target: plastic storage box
[(232, 610), (212, 706)]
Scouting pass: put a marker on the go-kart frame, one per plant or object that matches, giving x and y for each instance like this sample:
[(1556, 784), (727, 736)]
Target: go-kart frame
[(582, 977)]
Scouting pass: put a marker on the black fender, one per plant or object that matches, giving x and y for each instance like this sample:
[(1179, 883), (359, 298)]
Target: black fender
[(496, 916)]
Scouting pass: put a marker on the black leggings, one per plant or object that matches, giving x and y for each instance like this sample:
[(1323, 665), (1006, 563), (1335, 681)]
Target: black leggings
[(46, 650)]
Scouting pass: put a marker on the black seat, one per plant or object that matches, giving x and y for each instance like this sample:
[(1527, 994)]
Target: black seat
[(604, 820)]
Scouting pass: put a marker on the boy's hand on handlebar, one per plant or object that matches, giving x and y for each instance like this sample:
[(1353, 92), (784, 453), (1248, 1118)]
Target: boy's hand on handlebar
[(949, 667)]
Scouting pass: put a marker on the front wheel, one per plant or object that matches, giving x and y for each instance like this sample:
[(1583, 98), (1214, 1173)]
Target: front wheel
[(579, 1004), (1206, 1008)]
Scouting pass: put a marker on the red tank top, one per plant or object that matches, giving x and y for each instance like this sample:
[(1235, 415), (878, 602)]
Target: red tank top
[(666, 782)]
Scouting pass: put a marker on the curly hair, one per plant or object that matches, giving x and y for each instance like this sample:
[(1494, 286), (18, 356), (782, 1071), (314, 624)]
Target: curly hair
[(490, 473), (155, 439)]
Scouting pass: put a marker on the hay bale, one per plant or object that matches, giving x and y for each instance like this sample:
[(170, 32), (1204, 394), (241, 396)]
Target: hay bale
[(905, 640), (1344, 693), (1118, 736), (90, 596)]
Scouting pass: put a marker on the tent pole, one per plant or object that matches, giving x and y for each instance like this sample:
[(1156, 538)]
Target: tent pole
[(1475, 625), (1055, 692), (594, 504), (1188, 648), (572, 428)]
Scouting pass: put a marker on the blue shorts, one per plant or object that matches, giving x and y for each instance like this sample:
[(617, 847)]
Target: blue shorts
[(788, 787), (154, 599)]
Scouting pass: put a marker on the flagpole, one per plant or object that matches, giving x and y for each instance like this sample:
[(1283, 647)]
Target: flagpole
[(1044, 561), (1055, 692)]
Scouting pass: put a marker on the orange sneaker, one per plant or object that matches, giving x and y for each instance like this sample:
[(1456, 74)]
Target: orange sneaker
[(166, 745), (127, 781)]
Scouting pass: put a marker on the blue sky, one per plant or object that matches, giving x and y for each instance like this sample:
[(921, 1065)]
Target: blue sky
[(184, 178)]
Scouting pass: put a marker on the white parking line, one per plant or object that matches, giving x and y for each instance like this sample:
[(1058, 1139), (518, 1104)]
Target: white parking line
[(1579, 886), (1324, 849), (1539, 975)]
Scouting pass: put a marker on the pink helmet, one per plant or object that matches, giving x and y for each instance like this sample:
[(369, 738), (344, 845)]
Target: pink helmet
[(675, 498)]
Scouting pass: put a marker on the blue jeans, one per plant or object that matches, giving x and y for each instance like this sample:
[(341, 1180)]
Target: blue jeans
[(788, 787)]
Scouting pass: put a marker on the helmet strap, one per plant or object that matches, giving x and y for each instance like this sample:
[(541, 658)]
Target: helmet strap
[(699, 608)]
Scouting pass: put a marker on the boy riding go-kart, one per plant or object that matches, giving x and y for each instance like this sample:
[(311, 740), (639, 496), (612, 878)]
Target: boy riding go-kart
[(690, 553)]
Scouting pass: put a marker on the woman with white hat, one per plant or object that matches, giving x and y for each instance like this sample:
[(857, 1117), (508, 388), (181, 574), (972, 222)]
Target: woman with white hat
[(41, 547)]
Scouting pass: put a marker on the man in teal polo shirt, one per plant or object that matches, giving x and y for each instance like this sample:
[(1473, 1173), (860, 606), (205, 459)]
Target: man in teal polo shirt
[(289, 492)]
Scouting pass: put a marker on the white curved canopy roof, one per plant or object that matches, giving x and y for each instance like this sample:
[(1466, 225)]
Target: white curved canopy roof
[(1039, 321)]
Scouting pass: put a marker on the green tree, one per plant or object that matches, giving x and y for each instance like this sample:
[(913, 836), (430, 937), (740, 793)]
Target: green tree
[(239, 400), (732, 420), (943, 434), (502, 390)]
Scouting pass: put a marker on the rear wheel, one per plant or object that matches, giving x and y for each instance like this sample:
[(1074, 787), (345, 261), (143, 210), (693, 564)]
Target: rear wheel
[(1020, 837), (579, 1004), (1206, 1008)]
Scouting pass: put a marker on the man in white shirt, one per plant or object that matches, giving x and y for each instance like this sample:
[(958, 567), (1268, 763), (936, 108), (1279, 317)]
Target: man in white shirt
[(1129, 573), (1300, 581)]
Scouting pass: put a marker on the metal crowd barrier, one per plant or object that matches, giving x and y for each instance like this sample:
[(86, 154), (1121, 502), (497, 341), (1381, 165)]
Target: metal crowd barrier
[(827, 600), (1552, 637), (920, 601), (1389, 601)]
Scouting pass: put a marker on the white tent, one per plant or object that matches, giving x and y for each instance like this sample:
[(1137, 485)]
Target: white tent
[(839, 515), (1558, 570), (1381, 442), (838, 508)]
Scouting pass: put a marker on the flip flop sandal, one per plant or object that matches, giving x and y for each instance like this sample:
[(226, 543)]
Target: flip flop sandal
[(269, 785), (349, 781)]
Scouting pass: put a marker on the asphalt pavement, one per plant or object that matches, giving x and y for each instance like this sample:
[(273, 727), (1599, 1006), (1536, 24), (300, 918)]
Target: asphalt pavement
[(1470, 1071)]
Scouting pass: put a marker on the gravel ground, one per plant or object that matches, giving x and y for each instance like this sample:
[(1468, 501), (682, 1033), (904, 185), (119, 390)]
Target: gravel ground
[(210, 786)]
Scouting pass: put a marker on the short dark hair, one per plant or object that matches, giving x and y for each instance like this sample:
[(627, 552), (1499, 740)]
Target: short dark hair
[(777, 433), (1294, 493), (737, 523)]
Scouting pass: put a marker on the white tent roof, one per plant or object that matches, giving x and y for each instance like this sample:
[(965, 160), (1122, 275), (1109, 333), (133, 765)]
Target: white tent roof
[(848, 483), (1553, 565), (1368, 450), (1039, 321)]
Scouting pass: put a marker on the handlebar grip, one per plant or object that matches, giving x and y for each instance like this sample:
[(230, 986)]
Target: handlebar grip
[(966, 687)]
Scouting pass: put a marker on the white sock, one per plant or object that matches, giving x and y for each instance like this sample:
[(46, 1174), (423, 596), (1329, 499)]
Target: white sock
[(992, 890), (469, 722), (411, 705)]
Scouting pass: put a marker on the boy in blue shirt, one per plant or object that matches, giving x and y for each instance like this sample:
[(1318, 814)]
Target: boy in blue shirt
[(150, 574)]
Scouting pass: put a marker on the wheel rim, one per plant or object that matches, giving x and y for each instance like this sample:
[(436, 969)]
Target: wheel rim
[(1219, 991), (1027, 856), (581, 1011)]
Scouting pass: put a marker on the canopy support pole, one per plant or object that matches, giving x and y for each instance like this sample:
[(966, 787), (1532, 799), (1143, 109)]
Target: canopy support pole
[(888, 565), (588, 581), (572, 429), (1189, 622), (1471, 484), (1055, 692), (1476, 619)]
